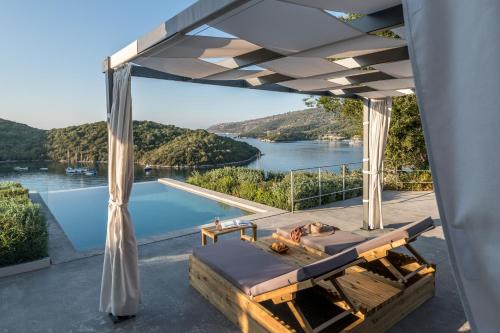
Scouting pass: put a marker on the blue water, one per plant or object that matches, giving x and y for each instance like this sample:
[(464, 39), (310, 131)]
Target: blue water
[(155, 208), (279, 156), (283, 156)]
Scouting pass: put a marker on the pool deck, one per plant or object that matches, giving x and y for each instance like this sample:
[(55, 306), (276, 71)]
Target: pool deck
[(64, 297)]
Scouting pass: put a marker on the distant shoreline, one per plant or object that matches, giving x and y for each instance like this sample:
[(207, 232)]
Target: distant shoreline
[(178, 167), (237, 136)]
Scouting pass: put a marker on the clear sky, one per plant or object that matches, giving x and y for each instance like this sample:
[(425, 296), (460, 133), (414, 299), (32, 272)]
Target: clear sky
[(50, 67)]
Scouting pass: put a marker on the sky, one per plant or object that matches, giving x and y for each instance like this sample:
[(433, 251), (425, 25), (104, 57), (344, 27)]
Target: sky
[(50, 67)]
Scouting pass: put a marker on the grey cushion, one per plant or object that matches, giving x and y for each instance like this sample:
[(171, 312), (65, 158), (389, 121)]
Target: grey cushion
[(241, 263), (330, 244), (408, 231), (255, 272), (334, 243), (313, 270)]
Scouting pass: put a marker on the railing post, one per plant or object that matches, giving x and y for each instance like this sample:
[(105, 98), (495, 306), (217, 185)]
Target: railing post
[(319, 184), (343, 181), (291, 189)]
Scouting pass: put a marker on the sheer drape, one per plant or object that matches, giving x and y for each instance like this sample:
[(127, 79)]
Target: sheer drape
[(380, 119), (120, 291), (454, 48)]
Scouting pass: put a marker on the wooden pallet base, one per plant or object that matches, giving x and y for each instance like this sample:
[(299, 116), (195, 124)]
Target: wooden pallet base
[(386, 302)]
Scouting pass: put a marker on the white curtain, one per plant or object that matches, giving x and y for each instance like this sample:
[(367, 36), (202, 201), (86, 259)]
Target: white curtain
[(455, 53), (120, 291), (380, 119)]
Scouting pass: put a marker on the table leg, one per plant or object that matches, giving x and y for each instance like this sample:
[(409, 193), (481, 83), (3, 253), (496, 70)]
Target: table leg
[(242, 234), (215, 239), (254, 229), (203, 239)]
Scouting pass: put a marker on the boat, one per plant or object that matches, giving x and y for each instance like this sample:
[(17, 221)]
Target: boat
[(18, 168), (148, 168), (44, 169), (70, 170), (90, 172)]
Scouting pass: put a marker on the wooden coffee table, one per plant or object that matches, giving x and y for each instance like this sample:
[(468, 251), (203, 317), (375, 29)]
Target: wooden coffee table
[(213, 233)]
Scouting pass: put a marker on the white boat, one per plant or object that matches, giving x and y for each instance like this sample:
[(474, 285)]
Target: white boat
[(18, 168), (90, 172), (148, 168), (44, 169), (70, 170)]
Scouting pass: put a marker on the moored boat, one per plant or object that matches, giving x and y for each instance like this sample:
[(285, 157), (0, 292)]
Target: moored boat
[(70, 170)]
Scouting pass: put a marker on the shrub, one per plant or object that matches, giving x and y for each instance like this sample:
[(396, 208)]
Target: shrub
[(420, 180), (23, 229), (273, 188)]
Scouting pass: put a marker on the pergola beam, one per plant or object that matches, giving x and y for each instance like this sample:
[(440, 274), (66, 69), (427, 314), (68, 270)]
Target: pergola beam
[(196, 15), (381, 20), (139, 71)]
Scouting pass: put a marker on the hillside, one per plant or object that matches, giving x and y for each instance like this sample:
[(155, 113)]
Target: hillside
[(306, 124), (154, 143), (199, 148), (21, 142)]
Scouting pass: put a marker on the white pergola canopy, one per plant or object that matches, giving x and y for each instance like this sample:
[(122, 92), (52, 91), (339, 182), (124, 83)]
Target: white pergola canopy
[(279, 45), (301, 46)]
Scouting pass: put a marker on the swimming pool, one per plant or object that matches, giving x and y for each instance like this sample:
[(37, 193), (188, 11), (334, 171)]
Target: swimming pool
[(156, 209)]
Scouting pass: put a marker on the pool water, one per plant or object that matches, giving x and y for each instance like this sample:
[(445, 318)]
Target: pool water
[(155, 208)]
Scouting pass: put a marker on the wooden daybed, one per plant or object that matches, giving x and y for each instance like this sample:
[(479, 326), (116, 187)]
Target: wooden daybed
[(364, 288)]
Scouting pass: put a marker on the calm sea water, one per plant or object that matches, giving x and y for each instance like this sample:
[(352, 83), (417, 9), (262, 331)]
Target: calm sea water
[(281, 156)]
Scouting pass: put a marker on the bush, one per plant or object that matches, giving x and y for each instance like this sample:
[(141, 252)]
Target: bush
[(273, 188), (418, 180), (23, 229)]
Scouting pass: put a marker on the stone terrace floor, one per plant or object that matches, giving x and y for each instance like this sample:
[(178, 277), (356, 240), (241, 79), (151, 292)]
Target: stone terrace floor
[(64, 297)]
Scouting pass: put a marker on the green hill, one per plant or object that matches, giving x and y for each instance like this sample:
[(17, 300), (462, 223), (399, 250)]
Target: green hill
[(21, 142), (309, 124), (199, 148), (154, 143)]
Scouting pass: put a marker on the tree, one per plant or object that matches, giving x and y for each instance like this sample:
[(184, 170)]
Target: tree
[(349, 113), (406, 143)]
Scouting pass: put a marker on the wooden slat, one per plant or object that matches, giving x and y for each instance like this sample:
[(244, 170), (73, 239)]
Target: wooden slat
[(366, 290), (296, 255), (299, 316)]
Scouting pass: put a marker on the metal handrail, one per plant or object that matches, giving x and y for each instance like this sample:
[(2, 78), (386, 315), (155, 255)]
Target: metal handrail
[(343, 168), (321, 194), (326, 166)]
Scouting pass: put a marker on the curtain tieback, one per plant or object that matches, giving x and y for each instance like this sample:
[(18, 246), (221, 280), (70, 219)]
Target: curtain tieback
[(118, 204), (372, 172)]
